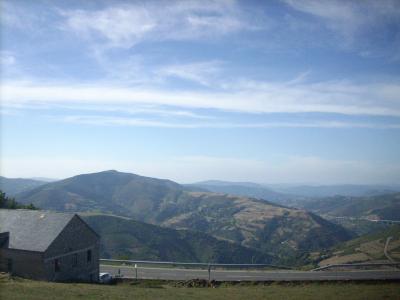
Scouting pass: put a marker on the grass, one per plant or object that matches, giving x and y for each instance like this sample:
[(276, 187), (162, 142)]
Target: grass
[(16, 288), (368, 247)]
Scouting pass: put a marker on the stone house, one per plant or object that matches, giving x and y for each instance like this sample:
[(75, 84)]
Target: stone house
[(47, 245)]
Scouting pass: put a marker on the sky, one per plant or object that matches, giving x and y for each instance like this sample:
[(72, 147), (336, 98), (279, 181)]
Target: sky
[(284, 91)]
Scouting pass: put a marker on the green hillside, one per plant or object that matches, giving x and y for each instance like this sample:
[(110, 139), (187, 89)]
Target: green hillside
[(109, 192), (368, 247), (128, 239), (262, 225)]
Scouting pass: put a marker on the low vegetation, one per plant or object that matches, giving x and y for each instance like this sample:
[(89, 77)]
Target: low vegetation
[(10, 203), (368, 247), (16, 288)]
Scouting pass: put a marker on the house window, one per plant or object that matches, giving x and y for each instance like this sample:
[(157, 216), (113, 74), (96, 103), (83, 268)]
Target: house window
[(75, 260), (57, 265), (89, 256), (9, 265)]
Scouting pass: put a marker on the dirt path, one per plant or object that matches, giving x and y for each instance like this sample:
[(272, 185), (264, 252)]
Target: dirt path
[(386, 248)]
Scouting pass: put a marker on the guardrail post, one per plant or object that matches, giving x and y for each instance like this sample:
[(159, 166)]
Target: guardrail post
[(136, 272)]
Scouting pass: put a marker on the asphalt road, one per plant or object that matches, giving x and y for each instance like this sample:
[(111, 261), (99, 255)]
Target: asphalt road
[(245, 275)]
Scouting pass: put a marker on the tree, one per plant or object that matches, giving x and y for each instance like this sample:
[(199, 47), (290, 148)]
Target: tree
[(10, 203)]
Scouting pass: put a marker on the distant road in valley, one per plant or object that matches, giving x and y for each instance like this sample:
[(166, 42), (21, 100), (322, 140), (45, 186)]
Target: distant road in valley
[(245, 275), (329, 217)]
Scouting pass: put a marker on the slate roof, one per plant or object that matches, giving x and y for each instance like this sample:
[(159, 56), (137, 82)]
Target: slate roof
[(32, 230)]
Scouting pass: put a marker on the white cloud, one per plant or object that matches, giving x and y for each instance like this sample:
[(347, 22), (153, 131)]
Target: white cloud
[(151, 122), (247, 96), (204, 73), (126, 25), (121, 26), (354, 21)]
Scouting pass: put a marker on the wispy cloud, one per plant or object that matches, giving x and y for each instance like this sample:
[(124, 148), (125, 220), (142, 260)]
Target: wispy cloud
[(204, 73), (128, 24), (357, 23), (245, 96), (149, 122)]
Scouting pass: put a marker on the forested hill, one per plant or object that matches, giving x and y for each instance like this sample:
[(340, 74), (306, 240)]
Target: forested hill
[(128, 239)]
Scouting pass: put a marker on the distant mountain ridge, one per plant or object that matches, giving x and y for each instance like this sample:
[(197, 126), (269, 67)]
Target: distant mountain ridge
[(350, 190), (248, 189), (13, 186), (250, 222), (380, 207), (291, 195)]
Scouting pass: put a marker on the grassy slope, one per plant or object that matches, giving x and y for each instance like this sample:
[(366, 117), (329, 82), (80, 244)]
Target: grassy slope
[(368, 247), (128, 239), (13, 289), (258, 224)]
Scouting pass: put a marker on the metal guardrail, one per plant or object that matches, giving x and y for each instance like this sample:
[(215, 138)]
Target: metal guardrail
[(356, 265), (206, 265), (241, 266)]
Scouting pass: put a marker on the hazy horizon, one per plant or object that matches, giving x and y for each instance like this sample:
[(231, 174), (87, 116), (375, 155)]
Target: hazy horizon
[(268, 92), (213, 180)]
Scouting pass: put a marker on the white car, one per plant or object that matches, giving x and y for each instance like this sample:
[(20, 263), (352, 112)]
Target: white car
[(105, 277)]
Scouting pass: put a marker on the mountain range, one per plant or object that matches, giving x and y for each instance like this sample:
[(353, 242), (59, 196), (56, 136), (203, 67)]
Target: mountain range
[(147, 218), (380, 207), (290, 193), (258, 224)]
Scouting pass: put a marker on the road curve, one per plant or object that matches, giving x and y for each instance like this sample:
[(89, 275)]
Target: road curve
[(385, 250), (245, 275)]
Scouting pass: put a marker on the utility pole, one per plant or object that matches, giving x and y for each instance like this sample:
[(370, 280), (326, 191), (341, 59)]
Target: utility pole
[(209, 272)]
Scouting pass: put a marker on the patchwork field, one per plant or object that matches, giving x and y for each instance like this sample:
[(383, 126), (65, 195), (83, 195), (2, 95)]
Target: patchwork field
[(367, 248)]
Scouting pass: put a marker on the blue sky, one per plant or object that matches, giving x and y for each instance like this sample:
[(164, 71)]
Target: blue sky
[(265, 91)]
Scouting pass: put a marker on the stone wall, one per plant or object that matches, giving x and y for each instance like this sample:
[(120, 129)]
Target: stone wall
[(70, 251), (27, 264)]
